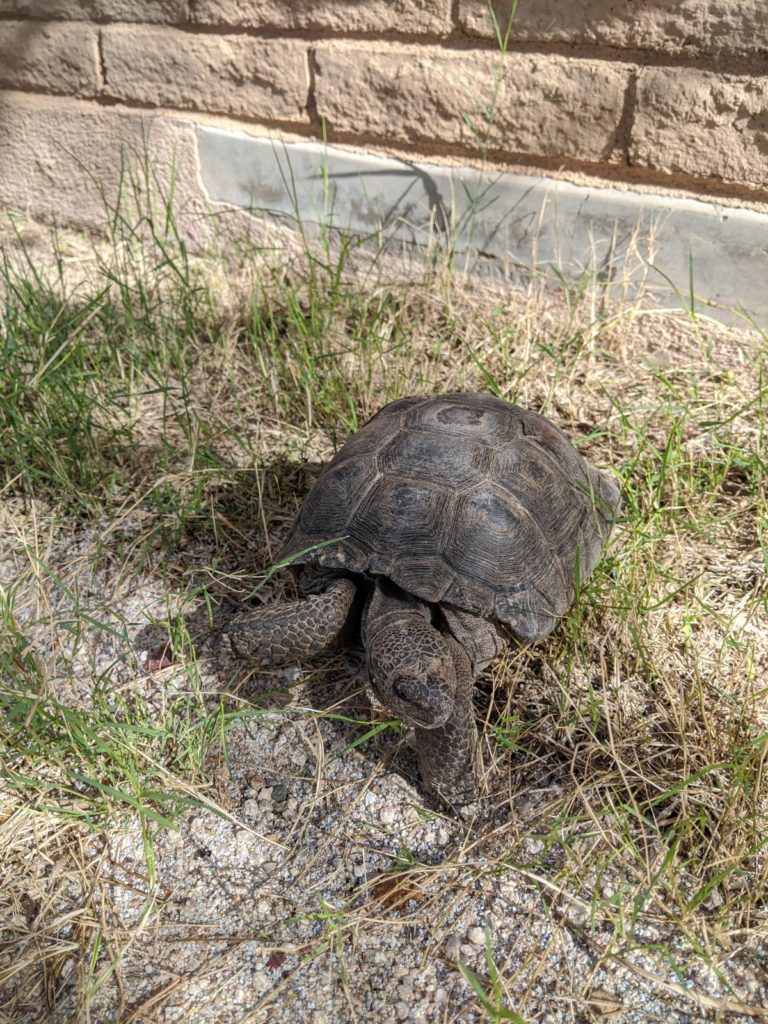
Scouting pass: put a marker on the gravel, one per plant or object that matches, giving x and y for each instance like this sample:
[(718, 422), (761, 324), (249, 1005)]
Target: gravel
[(323, 886)]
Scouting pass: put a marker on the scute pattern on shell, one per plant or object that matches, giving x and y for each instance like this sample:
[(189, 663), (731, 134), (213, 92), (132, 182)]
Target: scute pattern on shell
[(464, 499)]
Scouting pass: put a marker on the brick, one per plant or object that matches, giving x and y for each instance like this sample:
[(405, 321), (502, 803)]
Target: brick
[(544, 105), (413, 16), (229, 74), (687, 26), (171, 11), (703, 124), (49, 57)]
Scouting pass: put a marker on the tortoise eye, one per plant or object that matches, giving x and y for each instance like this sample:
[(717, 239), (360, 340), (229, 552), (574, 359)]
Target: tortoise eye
[(407, 689)]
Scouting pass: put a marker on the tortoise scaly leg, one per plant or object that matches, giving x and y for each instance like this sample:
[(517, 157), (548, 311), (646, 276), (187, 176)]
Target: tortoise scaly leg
[(448, 755), (295, 629)]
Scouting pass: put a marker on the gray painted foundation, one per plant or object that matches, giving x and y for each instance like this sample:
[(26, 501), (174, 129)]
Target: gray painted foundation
[(511, 225)]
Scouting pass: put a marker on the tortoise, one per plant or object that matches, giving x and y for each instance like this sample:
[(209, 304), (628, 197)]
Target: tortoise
[(452, 521)]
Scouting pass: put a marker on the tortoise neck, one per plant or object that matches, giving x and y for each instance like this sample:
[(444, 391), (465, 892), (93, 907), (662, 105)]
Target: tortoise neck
[(391, 613)]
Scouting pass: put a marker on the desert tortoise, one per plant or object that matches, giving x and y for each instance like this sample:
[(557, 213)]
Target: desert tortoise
[(449, 518)]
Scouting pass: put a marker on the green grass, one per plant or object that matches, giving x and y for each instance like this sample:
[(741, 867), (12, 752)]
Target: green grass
[(155, 423)]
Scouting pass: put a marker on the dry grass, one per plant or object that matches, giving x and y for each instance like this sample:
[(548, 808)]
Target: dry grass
[(160, 428)]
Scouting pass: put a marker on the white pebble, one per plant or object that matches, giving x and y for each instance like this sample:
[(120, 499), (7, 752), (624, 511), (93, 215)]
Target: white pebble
[(476, 936), (251, 809), (577, 914), (387, 816), (260, 982)]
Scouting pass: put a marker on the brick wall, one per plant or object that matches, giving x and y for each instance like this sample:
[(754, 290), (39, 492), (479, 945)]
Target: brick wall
[(664, 92)]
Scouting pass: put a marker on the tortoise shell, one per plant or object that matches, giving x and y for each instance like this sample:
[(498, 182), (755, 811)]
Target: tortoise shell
[(462, 499)]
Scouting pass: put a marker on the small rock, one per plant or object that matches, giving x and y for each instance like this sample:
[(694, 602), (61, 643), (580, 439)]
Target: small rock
[(406, 983), (452, 947), (160, 657), (442, 836), (251, 809), (476, 936), (387, 816), (441, 996), (403, 1011), (265, 794), (715, 900), (577, 914), (280, 792), (468, 812), (261, 981)]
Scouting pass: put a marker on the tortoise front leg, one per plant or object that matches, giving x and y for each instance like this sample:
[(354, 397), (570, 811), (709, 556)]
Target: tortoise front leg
[(447, 755), (295, 629)]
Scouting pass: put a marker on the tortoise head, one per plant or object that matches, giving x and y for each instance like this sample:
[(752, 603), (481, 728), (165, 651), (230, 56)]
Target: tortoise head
[(410, 664), (419, 690)]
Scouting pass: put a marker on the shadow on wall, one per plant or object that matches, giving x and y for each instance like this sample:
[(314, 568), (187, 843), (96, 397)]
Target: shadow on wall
[(684, 252)]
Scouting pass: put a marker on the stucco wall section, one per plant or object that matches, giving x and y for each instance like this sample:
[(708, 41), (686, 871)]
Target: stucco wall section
[(231, 74), (700, 123), (171, 11), (525, 104), (68, 151), (669, 26), (49, 57), (409, 16)]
